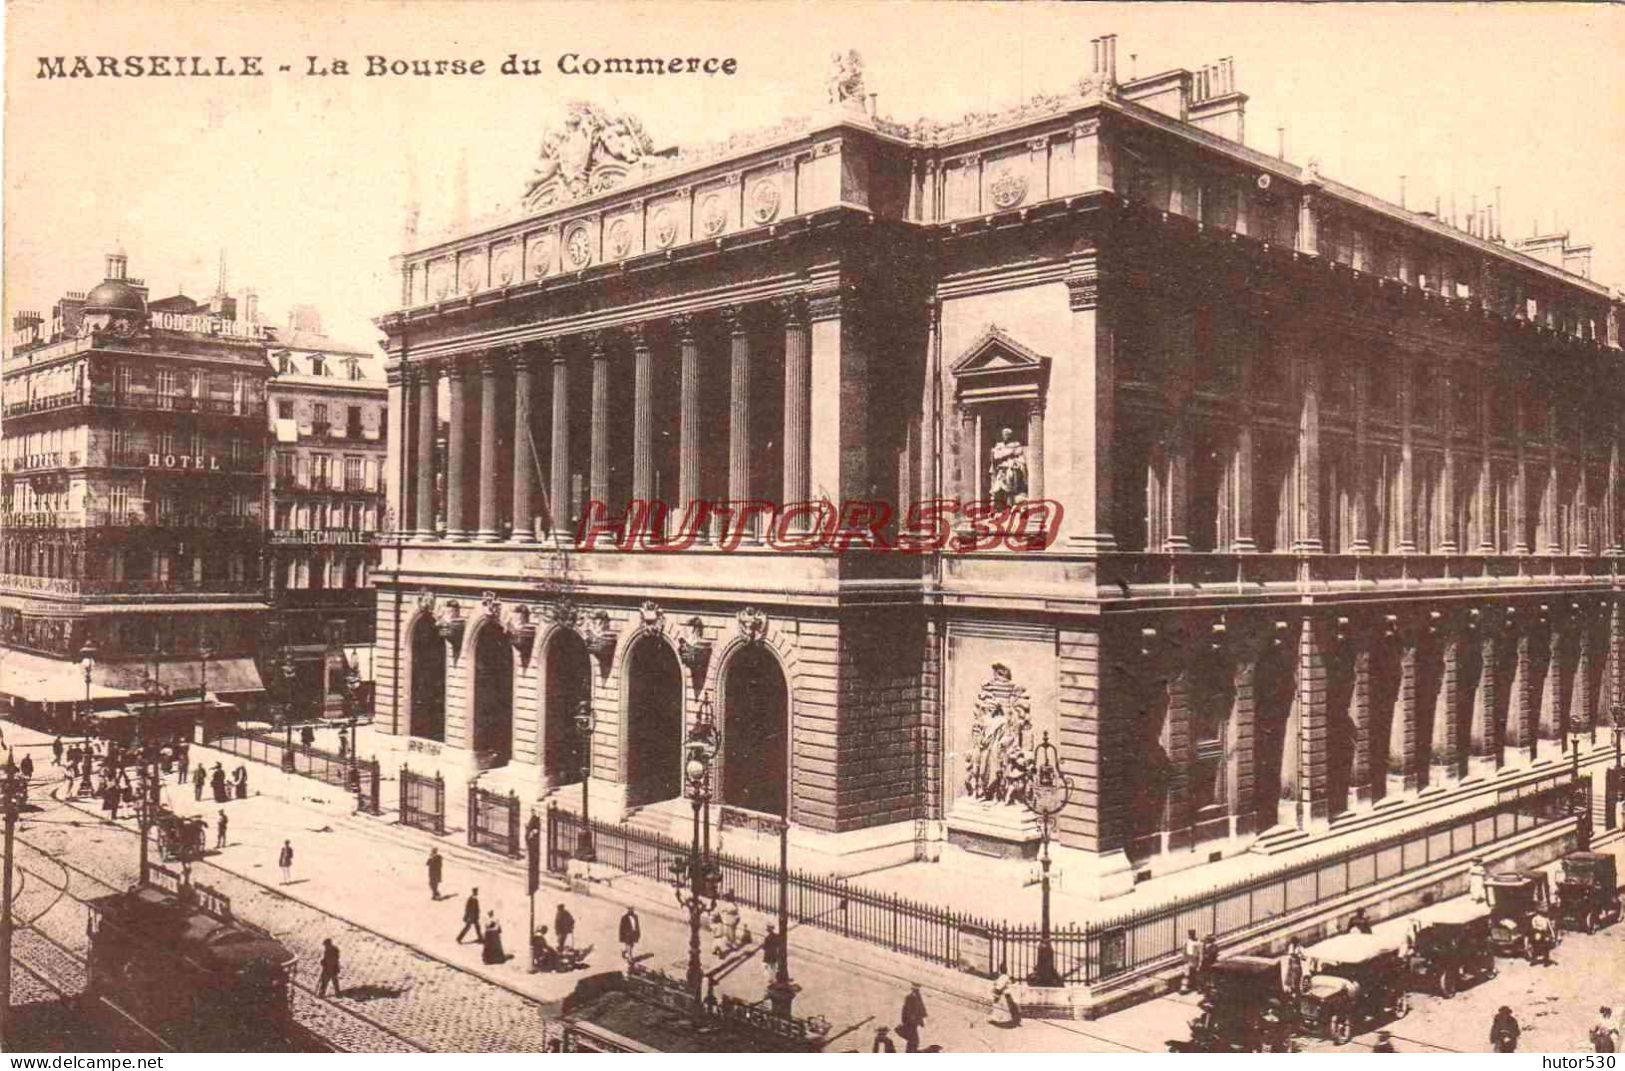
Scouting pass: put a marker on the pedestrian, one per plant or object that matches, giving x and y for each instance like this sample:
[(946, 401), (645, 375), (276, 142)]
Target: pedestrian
[(239, 780), (1193, 962), (217, 782), (564, 925), (1210, 956), (1292, 968), (1475, 881), (284, 860), (330, 969), (344, 743), (631, 933), (1004, 993), (730, 920), (471, 916), (220, 831), (1357, 923), (199, 776), (56, 752), (111, 799), (1504, 1031), (437, 866), (1604, 1035), (883, 1041), (1385, 1042), (772, 951), (1540, 938), (913, 1018), (183, 764), (307, 736), (27, 767), (492, 951)]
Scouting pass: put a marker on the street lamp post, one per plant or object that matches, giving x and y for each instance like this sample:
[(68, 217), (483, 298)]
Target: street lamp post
[(13, 800), (781, 993), (147, 756), (584, 727), (352, 688), (697, 872), (205, 651), (283, 666), (1046, 799), (87, 662)]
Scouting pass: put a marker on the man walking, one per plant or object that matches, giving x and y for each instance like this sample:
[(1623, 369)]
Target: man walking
[(1193, 962), (772, 949), (198, 778), (564, 925), (631, 934), (330, 969), (56, 752), (183, 764), (220, 831), (471, 917), (284, 860), (436, 869), (913, 1018)]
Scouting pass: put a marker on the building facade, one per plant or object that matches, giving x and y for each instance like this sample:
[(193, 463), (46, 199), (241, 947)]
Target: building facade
[(1337, 482), (327, 423), (133, 490)]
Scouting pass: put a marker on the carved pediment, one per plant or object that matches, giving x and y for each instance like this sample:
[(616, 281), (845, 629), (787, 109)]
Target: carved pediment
[(996, 367), (591, 151)]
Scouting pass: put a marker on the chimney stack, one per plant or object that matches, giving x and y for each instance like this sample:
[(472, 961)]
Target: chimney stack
[(1495, 218), (1111, 58), (1280, 143), (1402, 191)]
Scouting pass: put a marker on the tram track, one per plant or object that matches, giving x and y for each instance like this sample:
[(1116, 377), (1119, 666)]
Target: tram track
[(340, 1028)]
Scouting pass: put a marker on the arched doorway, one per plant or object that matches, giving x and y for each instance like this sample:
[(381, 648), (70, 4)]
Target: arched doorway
[(493, 698), (569, 684), (428, 681), (755, 733), (654, 723)]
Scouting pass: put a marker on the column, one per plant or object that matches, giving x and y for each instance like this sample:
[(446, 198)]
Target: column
[(738, 407), (1310, 715), (397, 487), (1244, 542), (1521, 728), (1486, 735), (1177, 745), (490, 517), (1548, 502), (457, 453), (929, 409), (1610, 496), (1582, 527), (688, 421), (1552, 719), (1451, 542), (643, 420), (1445, 753), (1361, 543), (1094, 392), (1360, 780), (428, 400), (558, 506), (798, 395), (1176, 490), (527, 459), (1407, 469), (1520, 495), (1486, 494), (1035, 449), (1307, 537), (1580, 715), (1239, 774), (598, 477)]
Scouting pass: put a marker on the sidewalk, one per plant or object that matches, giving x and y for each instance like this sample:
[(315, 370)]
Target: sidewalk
[(372, 873)]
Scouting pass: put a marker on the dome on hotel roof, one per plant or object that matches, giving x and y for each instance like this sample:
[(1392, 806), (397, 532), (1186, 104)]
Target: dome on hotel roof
[(115, 295)]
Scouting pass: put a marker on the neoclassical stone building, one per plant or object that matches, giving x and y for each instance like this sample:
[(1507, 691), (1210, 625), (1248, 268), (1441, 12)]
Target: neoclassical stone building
[(1339, 481)]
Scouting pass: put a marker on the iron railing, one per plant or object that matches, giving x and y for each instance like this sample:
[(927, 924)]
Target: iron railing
[(423, 801), (493, 820), (359, 776), (1136, 941)]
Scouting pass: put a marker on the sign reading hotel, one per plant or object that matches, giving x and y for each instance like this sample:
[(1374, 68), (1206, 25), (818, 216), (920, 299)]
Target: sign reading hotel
[(205, 325), (198, 463)]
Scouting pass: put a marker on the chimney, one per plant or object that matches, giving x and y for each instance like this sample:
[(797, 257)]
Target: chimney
[(117, 266), (1495, 218), (1280, 143), (1215, 105), (1111, 59), (251, 306)]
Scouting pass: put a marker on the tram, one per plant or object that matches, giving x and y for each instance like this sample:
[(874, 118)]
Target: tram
[(177, 962)]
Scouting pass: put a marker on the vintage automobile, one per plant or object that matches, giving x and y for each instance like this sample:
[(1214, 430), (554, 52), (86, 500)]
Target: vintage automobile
[(1243, 1009), (1588, 891), (1357, 981), (1515, 896), (1452, 945)]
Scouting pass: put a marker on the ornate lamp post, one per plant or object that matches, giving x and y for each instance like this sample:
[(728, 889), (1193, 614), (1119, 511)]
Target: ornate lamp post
[(13, 801), (781, 994), (87, 662), (283, 666), (584, 727), (205, 651), (147, 755), (695, 879), (1046, 799), (352, 688)]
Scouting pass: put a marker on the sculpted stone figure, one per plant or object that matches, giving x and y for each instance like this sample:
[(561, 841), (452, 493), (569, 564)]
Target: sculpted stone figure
[(590, 151), (999, 761), (1007, 476), (846, 77)]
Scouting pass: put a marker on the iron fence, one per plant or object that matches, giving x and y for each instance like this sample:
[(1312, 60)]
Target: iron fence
[(493, 820), (359, 776), (1136, 941), (423, 801)]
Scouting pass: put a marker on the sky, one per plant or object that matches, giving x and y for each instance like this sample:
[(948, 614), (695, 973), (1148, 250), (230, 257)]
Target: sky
[(303, 180)]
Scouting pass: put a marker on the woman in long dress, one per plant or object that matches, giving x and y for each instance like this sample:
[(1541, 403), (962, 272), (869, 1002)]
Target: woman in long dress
[(493, 941)]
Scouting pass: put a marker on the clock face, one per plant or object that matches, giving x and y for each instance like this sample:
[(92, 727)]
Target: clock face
[(578, 247)]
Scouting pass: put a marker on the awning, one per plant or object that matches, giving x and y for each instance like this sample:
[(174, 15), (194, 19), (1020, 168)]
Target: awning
[(224, 675), (38, 679)]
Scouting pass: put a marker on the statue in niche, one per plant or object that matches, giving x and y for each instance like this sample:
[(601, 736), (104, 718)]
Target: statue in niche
[(1007, 475), (999, 762)]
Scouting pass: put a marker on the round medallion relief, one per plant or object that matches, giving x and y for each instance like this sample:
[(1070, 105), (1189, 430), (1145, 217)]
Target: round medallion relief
[(540, 257), (620, 239), (578, 246), (440, 280), (1007, 188), (665, 227), (469, 280), (506, 266), (764, 200), (713, 215)]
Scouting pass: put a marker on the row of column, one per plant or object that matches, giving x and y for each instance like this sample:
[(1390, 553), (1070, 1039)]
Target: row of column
[(481, 376)]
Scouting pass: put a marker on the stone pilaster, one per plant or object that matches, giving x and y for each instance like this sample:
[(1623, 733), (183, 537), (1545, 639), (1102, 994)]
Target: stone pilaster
[(1553, 710), (1486, 734), (1450, 541), (930, 408), (1178, 746), (1361, 543), (559, 507), (457, 459), (1312, 793), (739, 372), (1486, 499), (1520, 493), (1403, 736), (428, 402), (1407, 459), (1360, 774), (1446, 754), (1092, 375), (598, 477), (527, 458), (642, 416), (1525, 708), (490, 511), (1241, 774), (688, 419), (1307, 532)]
